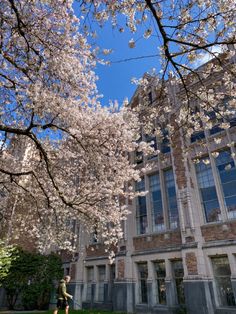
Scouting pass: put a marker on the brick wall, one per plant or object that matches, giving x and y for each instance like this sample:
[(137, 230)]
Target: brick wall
[(219, 231), (191, 263), (99, 249), (157, 241), (96, 250)]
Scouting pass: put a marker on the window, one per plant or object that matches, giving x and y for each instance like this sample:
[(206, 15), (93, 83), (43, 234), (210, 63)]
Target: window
[(229, 110), (138, 157), (162, 212), (178, 274), (112, 273), (196, 136), (215, 122), (142, 276), (150, 97), (156, 203), (171, 199), (160, 273), (90, 278), (222, 273), (227, 179), (141, 209), (208, 191), (198, 133), (165, 142), (94, 236), (101, 279), (227, 173)]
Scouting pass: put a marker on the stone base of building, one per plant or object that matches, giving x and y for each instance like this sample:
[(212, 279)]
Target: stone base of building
[(225, 310), (98, 306), (198, 297)]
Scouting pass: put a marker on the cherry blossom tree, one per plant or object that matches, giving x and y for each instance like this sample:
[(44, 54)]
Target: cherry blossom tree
[(187, 33), (64, 158)]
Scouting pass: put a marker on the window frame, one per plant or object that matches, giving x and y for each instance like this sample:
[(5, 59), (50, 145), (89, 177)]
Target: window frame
[(218, 277), (224, 213), (158, 279), (142, 284)]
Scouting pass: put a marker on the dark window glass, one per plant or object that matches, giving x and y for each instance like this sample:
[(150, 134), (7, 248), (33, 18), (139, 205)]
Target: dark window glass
[(230, 107), (215, 122), (141, 209), (222, 273), (178, 275), (156, 203), (150, 97), (165, 142), (171, 199), (101, 279), (90, 278), (160, 281), (207, 190), (143, 275), (227, 173), (196, 136)]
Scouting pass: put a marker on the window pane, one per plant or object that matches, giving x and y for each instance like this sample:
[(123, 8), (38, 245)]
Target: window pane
[(90, 277), (101, 278), (212, 211), (101, 272), (178, 274), (165, 142), (143, 275), (141, 209), (171, 199), (90, 273), (227, 172), (215, 122), (156, 203), (197, 136), (208, 193), (160, 281), (222, 273)]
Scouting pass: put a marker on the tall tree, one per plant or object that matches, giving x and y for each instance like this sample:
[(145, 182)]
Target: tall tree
[(63, 157)]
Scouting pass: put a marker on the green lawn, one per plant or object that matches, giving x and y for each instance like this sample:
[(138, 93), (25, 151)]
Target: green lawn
[(62, 312)]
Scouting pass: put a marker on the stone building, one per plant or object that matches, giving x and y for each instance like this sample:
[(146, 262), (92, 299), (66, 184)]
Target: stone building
[(178, 254)]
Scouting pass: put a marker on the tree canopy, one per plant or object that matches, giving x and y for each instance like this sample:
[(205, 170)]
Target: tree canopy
[(63, 157), (28, 280)]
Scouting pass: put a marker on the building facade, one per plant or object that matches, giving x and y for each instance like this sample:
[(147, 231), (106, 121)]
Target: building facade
[(178, 254)]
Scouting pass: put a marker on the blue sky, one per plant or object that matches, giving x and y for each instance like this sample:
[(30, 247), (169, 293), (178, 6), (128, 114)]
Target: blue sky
[(115, 79)]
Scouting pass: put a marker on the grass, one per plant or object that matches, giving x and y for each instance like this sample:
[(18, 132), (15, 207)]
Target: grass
[(62, 312)]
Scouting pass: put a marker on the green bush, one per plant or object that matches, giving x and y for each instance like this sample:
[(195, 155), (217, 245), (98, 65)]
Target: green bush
[(30, 279)]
